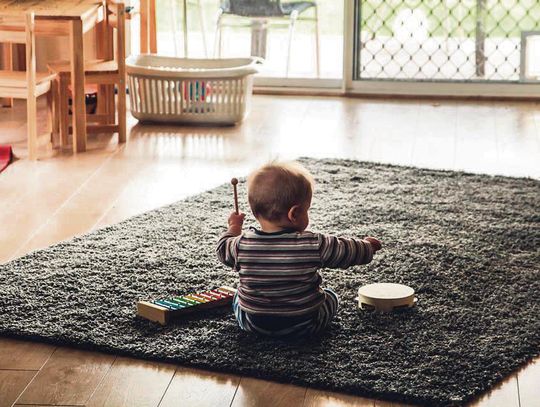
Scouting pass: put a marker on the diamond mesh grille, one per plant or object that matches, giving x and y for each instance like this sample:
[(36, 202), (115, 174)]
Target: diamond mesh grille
[(464, 40)]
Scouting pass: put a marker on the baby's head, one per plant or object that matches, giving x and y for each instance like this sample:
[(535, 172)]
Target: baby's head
[(280, 194)]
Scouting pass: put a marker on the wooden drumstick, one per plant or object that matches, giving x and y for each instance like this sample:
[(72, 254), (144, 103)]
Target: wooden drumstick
[(234, 183)]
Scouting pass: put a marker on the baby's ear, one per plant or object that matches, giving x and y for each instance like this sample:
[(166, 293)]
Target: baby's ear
[(293, 213)]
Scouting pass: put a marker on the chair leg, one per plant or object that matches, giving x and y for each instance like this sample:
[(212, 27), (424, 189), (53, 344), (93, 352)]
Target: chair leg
[(122, 112), (111, 107), (31, 119), (203, 28), (218, 35), (50, 117), (101, 98), (185, 29), (292, 22), (63, 110), (317, 42), (174, 21), (55, 106)]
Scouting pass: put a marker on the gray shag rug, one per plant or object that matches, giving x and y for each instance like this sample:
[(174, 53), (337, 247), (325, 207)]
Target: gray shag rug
[(469, 245)]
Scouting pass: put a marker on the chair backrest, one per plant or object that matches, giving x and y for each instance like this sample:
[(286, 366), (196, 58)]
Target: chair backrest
[(13, 28), (253, 8), (20, 29)]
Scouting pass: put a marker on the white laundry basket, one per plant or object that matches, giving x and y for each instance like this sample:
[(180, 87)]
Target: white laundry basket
[(205, 91)]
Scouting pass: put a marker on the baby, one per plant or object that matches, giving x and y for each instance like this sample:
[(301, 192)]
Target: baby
[(280, 291)]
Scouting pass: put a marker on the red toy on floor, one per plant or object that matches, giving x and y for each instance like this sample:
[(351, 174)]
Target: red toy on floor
[(6, 155)]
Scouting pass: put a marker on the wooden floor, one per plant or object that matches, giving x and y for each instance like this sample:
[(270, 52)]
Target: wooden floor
[(64, 195)]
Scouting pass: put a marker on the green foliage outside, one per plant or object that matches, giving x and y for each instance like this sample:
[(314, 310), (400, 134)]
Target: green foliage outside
[(456, 18)]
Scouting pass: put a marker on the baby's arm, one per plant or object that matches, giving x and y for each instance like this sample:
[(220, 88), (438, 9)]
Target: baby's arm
[(343, 252), (228, 242)]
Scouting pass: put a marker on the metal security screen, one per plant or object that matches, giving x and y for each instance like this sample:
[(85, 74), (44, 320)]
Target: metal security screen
[(447, 40)]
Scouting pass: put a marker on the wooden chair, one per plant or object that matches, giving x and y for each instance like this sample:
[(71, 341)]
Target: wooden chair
[(262, 10), (27, 84), (105, 72)]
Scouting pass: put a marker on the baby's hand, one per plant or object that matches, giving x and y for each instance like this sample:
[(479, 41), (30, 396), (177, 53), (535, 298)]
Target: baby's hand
[(235, 222), (375, 243)]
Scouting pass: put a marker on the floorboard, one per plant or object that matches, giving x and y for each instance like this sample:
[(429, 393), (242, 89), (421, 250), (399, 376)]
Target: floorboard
[(380, 403), (505, 394), (319, 398), (12, 383), (132, 383), (23, 355), (69, 377), (529, 385), (195, 387), (261, 393)]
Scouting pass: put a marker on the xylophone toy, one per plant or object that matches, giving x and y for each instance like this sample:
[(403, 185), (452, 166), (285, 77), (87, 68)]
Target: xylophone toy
[(164, 310)]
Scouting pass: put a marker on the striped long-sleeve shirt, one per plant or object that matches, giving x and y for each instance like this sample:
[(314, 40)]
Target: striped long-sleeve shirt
[(278, 271)]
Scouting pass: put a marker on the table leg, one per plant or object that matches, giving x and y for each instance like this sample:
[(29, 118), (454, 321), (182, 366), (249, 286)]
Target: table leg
[(144, 26), (152, 26), (63, 110), (77, 87), (7, 64)]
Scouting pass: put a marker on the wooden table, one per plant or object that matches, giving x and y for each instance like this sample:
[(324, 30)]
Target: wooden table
[(70, 18)]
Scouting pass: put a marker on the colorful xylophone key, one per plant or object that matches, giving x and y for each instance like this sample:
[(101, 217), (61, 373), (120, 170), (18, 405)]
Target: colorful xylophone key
[(165, 309)]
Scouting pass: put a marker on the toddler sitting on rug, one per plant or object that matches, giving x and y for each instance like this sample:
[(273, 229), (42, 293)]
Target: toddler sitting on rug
[(279, 292)]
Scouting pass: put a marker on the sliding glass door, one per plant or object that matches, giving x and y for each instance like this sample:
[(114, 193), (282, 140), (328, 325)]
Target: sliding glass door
[(484, 47)]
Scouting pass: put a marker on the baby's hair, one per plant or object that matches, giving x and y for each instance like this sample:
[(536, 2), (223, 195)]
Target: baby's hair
[(276, 187)]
